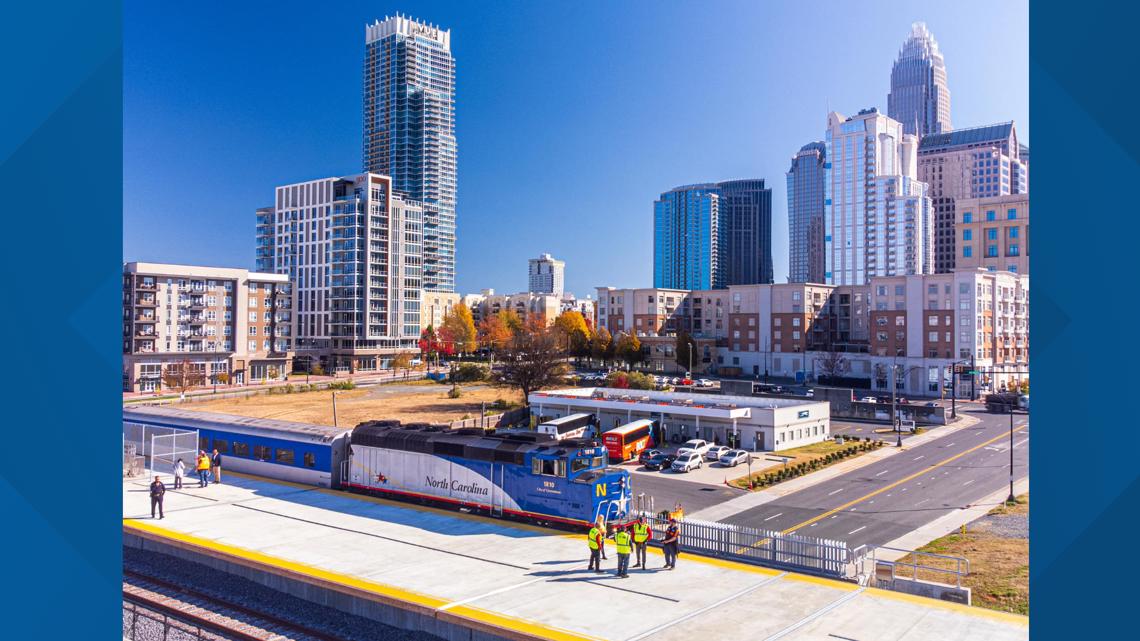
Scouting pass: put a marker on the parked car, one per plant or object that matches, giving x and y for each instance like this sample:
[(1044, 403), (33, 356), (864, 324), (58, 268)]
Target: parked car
[(687, 462), (646, 455), (659, 461), (868, 399), (810, 393), (732, 458), (416, 361), (694, 446), (714, 452), (903, 401), (704, 382), (931, 404)]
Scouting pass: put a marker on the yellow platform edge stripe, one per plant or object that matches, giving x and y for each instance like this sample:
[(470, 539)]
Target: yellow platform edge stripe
[(691, 556), (529, 629)]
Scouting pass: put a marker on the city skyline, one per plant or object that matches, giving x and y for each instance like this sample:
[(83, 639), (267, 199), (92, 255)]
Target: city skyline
[(519, 196)]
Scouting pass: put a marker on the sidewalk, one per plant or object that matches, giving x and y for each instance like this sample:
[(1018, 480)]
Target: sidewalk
[(756, 499)]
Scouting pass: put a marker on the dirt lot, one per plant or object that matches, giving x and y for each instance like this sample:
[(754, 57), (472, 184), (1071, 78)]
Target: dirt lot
[(997, 546), (421, 403)]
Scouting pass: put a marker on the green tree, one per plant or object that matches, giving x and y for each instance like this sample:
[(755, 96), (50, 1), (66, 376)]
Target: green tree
[(687, 354), (630, 380), (511, 319), (628, 349)]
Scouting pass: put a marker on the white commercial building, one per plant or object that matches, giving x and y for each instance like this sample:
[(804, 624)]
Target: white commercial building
[(753, 423), (547, 275)]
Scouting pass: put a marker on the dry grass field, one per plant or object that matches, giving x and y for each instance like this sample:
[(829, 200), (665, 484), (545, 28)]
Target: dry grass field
[(419, 403)]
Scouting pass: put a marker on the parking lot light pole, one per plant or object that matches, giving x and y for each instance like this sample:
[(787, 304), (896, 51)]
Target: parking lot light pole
[(1011, 500)]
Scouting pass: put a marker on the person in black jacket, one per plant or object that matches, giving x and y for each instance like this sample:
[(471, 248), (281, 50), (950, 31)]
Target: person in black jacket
[(216, 466), (157, 490)]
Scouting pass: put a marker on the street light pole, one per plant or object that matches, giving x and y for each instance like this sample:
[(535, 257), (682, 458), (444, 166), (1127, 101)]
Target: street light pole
[(334, 409), (1011, 498)]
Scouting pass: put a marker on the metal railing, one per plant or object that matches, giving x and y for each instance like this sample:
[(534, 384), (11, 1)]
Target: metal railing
[(923, 566), (806, 554)]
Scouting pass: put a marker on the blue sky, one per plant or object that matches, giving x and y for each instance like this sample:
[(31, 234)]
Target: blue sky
[(571, 116)]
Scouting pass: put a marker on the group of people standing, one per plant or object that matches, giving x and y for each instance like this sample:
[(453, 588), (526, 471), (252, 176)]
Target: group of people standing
[(205, 465), (631, 538)]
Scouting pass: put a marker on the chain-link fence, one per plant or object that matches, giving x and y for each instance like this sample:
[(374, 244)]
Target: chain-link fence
[(157, 447)]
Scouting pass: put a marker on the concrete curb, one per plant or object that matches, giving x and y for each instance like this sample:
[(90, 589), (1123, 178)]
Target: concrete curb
[(755, 499), (949, 523)]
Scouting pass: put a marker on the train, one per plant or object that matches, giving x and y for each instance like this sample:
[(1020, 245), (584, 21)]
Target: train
[(515, 474)]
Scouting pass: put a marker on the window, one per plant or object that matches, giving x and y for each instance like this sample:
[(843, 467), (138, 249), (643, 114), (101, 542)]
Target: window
[(1011, 214), (261, 452), (1013, 232), (967, 217), (898, 290), (932, 321), (991, 251), (253, 330), (900, 320), (967, 251), (933, 337), (253, 317), (241, 449), (222, 445), (285, 457), (967, 234), (990, 216), (991, 233), (796, 322), (1013, 250)]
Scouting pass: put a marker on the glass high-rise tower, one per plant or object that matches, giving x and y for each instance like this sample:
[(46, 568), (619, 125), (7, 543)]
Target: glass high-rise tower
[(409, 129), (920, 96), (713, 235), (805, 214)]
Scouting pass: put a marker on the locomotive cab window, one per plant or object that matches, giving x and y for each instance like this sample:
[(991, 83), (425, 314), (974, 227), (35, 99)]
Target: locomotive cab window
[(285, 457), (548, 467), (579, 464), (241, 449)]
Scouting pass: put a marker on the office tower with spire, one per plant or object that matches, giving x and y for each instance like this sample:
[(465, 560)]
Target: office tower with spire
[(877, 214), (920, 96), (409, 130), (805, 214)]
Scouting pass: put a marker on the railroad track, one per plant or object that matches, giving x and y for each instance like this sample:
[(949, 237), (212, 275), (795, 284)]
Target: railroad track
[(202, 615)]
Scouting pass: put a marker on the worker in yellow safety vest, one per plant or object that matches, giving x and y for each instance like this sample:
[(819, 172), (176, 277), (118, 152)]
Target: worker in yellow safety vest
[(641, 536), (622, 543), (596, 539)]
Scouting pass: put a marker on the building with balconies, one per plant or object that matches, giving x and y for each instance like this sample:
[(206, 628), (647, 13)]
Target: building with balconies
[(223, 325)]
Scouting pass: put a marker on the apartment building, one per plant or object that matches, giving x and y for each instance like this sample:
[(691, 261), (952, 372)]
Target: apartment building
[(546, 275), (528, 305), (353, 249), (993, 233), (916, 326), (434, 306), (209, 320), (584, 306)]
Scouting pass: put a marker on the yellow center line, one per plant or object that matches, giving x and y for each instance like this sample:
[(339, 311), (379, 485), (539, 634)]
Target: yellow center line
[(899, 482)]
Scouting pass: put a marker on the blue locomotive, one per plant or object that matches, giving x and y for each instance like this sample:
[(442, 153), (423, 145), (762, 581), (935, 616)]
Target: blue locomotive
[(520, 474)]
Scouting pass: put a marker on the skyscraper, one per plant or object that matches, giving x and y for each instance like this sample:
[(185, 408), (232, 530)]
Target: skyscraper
[(978, 162), (877, 219), (353, 252), (920, 97), (546, 275), (713, 235), (409, 129), (805, 214)]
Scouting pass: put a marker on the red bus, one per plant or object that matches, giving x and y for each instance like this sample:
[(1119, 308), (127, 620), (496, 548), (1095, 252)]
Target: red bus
[(624, 443)]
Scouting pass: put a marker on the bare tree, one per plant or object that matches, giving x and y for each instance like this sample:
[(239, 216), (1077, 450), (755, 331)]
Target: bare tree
[(833, 364), (181, 377), (532, 360)]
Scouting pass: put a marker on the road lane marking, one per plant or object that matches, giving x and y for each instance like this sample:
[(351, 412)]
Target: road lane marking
[(968, 482), (899, 482), (949, 445), (774, 516), (857, 530), (882, 473), (921, 502), (920, 457), (835, 492)]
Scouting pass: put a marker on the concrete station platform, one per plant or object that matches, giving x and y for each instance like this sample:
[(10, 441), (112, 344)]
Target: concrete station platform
[(468, 577)]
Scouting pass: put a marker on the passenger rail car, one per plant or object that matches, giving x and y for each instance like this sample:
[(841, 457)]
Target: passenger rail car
[(297, 452), (521, 474)]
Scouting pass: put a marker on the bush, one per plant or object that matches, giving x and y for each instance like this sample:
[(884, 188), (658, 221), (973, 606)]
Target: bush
[(454, 393), (469, 372), (342, 385)]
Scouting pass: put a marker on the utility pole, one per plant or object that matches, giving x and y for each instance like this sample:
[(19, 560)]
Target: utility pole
[(334, 410), (894, 406), (1011, 500)]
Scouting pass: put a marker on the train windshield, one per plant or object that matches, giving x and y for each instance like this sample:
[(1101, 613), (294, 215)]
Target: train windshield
[(586, 463)]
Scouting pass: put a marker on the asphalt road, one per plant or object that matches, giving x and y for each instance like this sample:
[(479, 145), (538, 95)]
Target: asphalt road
[(883, 501), (666, 491)]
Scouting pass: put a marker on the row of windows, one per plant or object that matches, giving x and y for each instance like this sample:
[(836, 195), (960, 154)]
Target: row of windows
[(260, 452), (991, 215)]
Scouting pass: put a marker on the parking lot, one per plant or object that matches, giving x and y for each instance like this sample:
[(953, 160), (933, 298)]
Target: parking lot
[(709, 473)]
